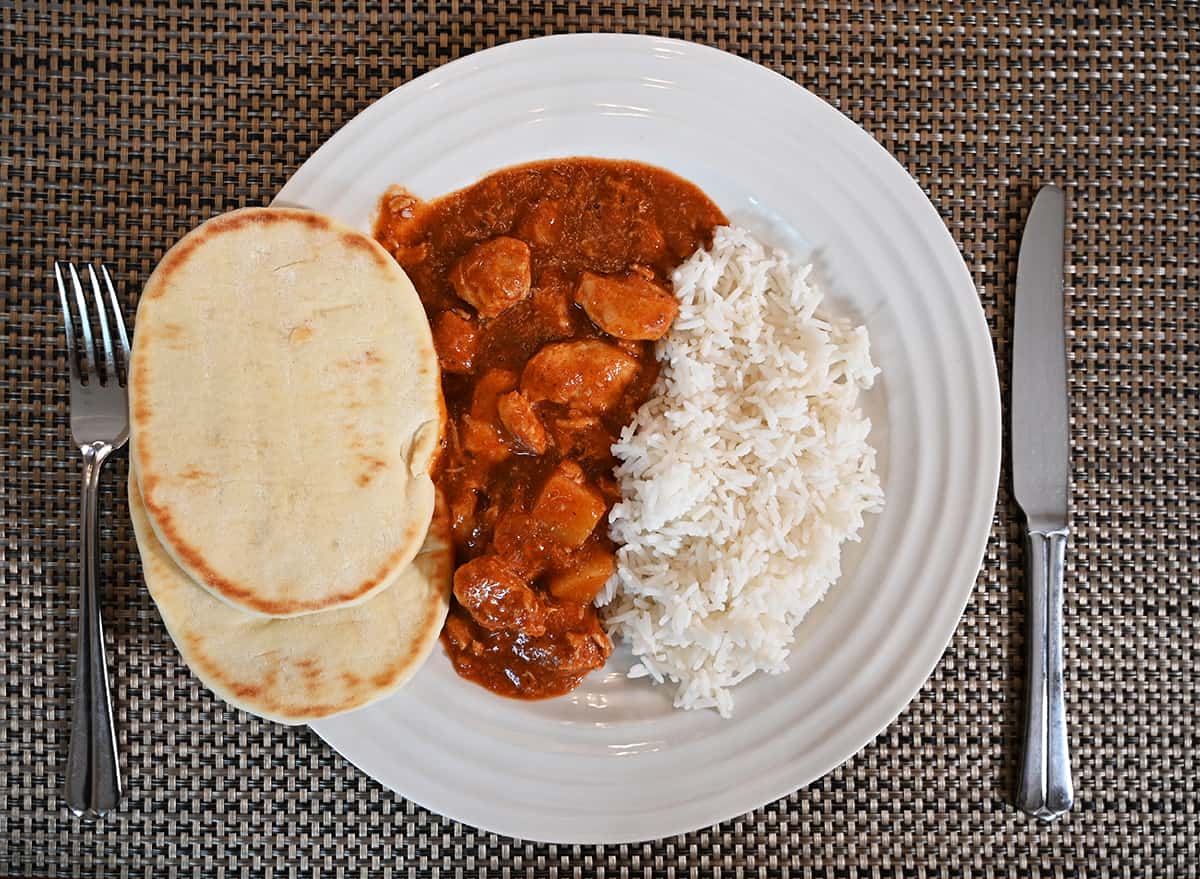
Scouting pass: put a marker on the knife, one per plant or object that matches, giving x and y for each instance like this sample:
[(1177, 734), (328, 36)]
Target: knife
[(1040, 456)]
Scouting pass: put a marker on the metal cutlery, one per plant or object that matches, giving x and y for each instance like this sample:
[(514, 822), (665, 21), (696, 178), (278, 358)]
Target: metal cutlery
[(99, 426), (1041, 473)]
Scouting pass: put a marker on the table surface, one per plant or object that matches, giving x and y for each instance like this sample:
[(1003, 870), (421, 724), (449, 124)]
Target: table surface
[(125, 125)]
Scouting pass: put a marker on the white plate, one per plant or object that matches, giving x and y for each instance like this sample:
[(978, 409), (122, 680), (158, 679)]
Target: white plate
[(614, 762)]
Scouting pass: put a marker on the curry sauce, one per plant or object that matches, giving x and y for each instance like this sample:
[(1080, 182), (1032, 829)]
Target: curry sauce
[(546, 286)]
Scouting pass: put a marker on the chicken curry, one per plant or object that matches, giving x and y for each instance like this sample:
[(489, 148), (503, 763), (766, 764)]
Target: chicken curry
[(546, 286)]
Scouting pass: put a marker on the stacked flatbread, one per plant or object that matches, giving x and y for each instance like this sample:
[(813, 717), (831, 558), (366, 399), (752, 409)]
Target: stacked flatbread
[(285, 410)]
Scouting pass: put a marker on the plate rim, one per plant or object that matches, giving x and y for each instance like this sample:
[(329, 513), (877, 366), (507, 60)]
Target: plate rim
[(989, 453)]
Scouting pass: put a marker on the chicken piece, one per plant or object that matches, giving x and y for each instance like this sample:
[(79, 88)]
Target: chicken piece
[(589, 376), (543, 224), (525, 547), (629, 306), (584, 577), (482, 439), (481, 435), (464, 504), (576, 651), (568, 507), (522, 423), (458, 631), (456, 339), (493, 276), (582, 437), (633, 349), (551, 300), (498, 598), (488, 390), (584, 652), (463, 484)]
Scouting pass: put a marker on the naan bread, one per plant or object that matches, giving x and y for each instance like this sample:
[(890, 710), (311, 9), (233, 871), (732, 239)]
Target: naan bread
[(285, 409), (304, 668)]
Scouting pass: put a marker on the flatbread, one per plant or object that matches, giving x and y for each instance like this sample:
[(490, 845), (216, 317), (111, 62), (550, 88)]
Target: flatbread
[(300, 669), (285, 409)]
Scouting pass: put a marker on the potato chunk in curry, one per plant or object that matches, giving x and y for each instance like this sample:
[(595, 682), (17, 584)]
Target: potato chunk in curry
[(568, 507), (586, 577)]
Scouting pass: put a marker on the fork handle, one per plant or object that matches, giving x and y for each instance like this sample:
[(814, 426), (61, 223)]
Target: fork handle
[(93, 784), (1045, 790)]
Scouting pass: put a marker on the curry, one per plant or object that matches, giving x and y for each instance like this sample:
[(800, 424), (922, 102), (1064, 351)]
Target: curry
[(546, 286)]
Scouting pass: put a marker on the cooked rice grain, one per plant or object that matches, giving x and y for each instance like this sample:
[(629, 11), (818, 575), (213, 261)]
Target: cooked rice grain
[(742, 475)]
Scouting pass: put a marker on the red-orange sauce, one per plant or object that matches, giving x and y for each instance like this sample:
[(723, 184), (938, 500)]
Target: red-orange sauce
[(535, 631)]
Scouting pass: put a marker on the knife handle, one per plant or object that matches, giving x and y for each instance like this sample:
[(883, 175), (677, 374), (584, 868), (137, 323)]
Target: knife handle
[(1045, 790)]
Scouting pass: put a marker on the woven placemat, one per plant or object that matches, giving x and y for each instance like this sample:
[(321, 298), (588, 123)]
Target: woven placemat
[(122, 126)]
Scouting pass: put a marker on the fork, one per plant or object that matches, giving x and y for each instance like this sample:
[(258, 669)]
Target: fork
[(99, 426)]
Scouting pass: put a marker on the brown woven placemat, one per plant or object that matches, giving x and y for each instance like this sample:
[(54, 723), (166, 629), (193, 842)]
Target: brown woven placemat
[(121, 126)]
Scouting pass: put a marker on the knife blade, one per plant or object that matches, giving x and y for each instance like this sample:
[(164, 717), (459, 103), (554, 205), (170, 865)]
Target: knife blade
[(1041, 475), (1039, 373)]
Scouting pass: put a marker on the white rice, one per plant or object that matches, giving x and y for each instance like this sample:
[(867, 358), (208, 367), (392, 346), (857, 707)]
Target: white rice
[(741, 477)]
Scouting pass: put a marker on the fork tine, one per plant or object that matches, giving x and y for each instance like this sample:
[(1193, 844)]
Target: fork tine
[(110, 363), (68, 323), (118, 314), (85, 324)]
